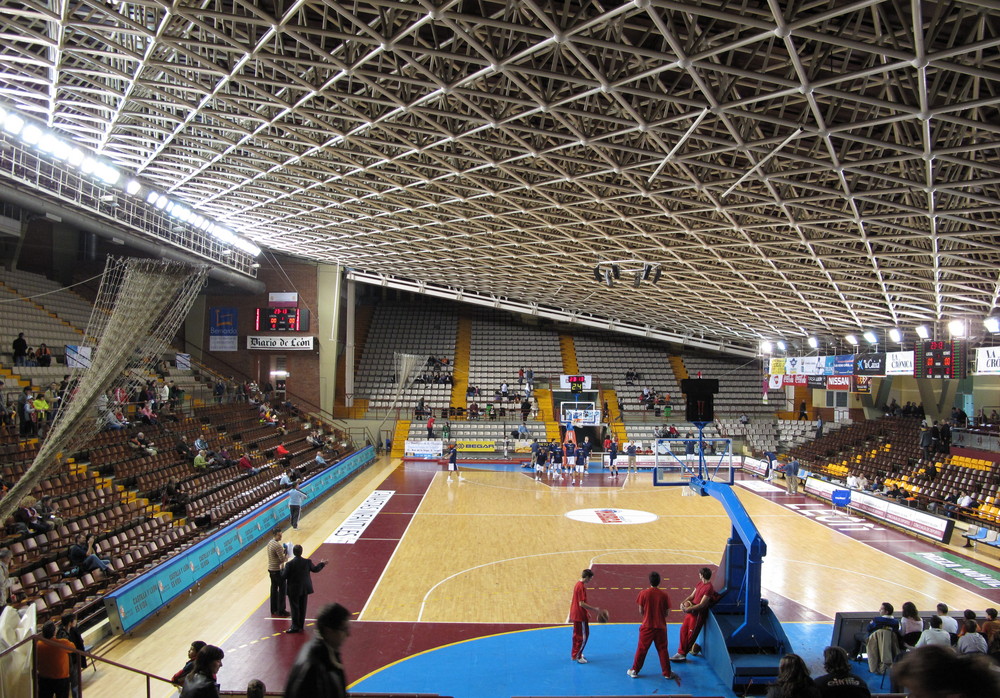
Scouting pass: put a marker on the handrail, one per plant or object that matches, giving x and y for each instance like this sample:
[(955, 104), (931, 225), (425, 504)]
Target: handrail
[(93, 657)]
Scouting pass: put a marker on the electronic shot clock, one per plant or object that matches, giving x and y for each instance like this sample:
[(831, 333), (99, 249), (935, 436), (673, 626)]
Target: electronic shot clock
[(943, 359), (281, 320)]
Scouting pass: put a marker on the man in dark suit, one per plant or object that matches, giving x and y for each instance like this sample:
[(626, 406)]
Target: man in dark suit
[(297, 575)]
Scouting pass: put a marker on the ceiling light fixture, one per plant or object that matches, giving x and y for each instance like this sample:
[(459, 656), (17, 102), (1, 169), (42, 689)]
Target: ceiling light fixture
[(922, 331)]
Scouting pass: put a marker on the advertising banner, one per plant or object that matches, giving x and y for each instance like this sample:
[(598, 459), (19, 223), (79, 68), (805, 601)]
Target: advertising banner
[(280, 343), (77, 356), (480, 445), (899, 363), (584, 418), (222, 329), (817, 382), (423, 448), (776, 367), (838, 382), (829, 365), (843, 365), (793, 365), (182, 361), (869, 364), (861, 384), (988, 360), (810, 365), (774, 381)]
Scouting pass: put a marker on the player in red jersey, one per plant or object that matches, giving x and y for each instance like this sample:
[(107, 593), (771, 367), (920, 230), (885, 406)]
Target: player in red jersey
[(579, 617), (695, 607), (654, 605)]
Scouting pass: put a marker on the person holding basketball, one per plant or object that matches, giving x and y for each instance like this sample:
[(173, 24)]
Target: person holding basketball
[(654, 605), (580, 618), (696, 606)]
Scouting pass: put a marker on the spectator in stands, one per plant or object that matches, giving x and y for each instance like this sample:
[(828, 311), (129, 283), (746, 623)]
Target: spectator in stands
[(280, 451), (147, 415), (523, 432), (320, 460), (48, 511), (201, 682), (245, 465), (883, 620), (68, 630), (319, 671), (164, 396), (140, 443), (173, 499), (29, 516), (793, 680), (839, 681), (178, 678), (43, 355), (967, 615), (937, 672), (52, 663), (81, 555), (971, 641), (202, 461), (934, 635), (256, 689), (744, 419), (6, 583), (20, 347), (911, 625), (621, 409), (852, 481), (430, 427), (948, 624), (991, 626), (446, 431), (803, 412), (819, 426)]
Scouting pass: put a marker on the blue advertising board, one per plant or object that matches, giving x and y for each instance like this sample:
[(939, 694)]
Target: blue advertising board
[(134, 602)]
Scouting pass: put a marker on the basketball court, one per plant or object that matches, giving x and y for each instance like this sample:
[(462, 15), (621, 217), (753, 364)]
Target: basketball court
[(462, 586)]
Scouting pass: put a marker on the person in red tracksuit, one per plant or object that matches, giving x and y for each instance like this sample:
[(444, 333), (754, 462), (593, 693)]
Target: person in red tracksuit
[(654, 605), (579, 617)]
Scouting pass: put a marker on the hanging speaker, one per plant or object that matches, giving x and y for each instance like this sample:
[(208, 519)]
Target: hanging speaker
[(617, 271), (597, 274), (608, 279), (638, 279), (646, 271), (656, 275)]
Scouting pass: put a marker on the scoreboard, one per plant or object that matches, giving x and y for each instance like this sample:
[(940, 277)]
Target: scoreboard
[(281, 320), (943, 359), (575, 384)]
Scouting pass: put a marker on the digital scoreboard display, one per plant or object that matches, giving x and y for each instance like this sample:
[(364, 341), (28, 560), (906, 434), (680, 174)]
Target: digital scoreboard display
[(282, 320), (575, 384), (943, 359)]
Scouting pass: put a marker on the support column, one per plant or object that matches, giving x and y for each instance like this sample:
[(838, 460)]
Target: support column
[(349, 343), (328, 280)]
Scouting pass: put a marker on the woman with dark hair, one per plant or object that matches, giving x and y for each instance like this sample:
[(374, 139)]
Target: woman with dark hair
[(793, 680), (200, 683), (839, 682), (910, 625)]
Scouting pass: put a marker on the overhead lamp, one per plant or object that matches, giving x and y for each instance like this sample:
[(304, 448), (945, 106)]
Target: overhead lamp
[(895, 335), (992, 323), (766, 347), (31, 134), (75, 157), (956, 328), (781, 345), (637, 281), (133, 187), (13, 124), (870, 337), (813, 342), (107, 173), (922, 331), (609, 278), (851, 339)]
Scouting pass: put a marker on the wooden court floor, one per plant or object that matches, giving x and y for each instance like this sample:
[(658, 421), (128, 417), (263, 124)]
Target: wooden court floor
[(498, 547)]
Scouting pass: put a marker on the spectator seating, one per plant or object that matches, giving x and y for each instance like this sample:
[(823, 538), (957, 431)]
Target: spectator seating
[(406, 329), (740, 383), (609, 356), (501, 346)]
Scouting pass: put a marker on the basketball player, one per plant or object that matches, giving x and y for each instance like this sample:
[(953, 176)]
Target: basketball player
[(555, 459), (581, 460), (570, 448), (579, 617), (695, 608), (654, 605)]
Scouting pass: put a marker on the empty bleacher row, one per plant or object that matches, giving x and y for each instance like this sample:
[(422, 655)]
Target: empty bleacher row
[(610, 356), (406, 329), (501, 346)]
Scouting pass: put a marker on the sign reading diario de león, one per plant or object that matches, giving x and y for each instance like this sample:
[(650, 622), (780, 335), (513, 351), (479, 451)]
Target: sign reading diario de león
[(279, 343)]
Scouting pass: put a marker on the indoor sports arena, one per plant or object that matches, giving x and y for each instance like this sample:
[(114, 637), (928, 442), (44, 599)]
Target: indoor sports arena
[(499, 349)]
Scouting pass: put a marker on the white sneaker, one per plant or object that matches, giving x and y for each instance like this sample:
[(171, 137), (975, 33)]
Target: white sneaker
[(634, 674), (581, 659), (679, 657)]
